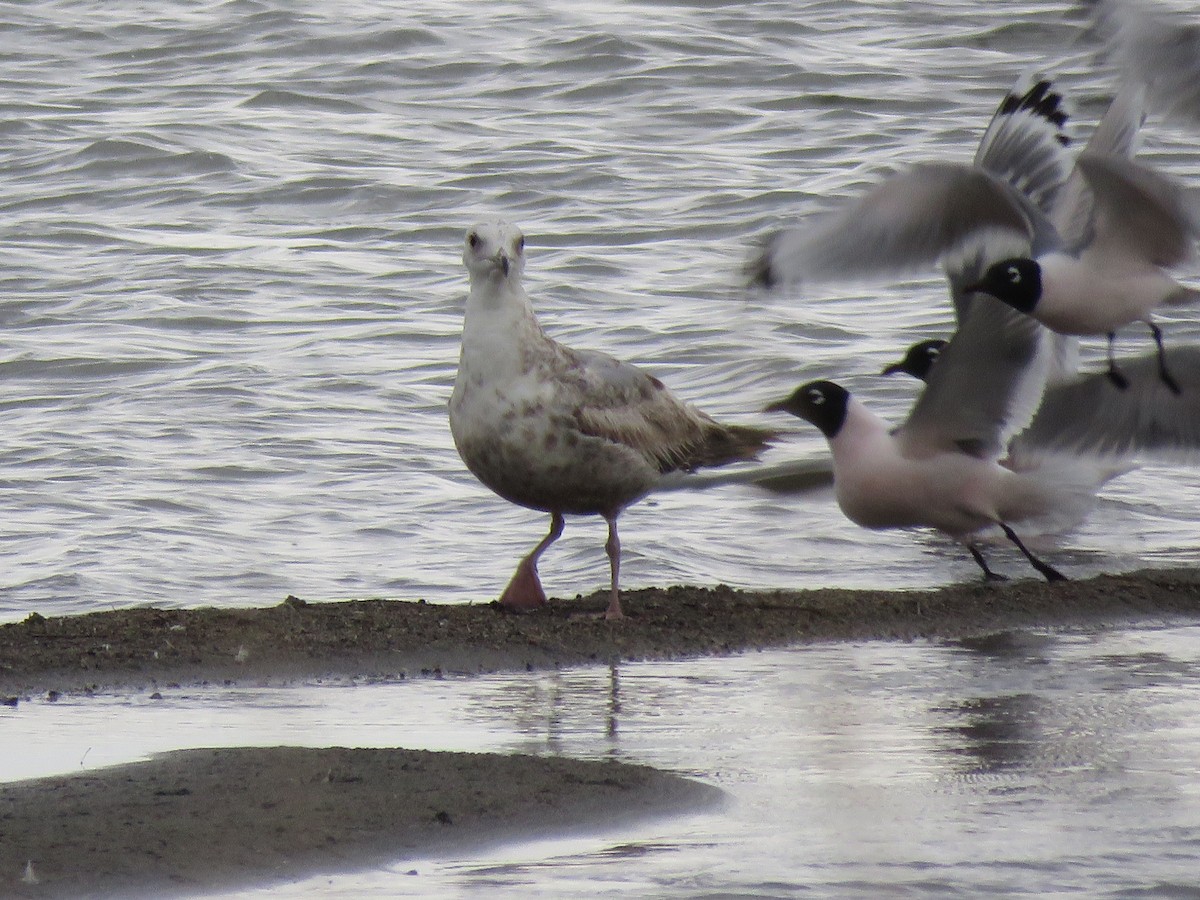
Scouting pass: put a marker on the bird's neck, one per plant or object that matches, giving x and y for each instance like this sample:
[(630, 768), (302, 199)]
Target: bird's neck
[(499, 325), (862, 434)]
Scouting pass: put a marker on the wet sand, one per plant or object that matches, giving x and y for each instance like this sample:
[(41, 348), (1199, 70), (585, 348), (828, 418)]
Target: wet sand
[(150, 648), (199, 819)]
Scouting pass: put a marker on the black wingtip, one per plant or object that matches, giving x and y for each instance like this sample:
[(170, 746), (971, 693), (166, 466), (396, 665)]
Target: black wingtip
[(761, 275), (760, 271), (1042, 100)]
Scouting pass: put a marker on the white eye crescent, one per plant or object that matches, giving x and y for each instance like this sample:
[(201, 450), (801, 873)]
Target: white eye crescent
[(816, 398), (1014, 274)]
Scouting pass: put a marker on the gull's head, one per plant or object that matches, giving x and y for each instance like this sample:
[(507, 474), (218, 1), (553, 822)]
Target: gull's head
[(494, 251), (821, 403), (918, 360), (1016, 281)]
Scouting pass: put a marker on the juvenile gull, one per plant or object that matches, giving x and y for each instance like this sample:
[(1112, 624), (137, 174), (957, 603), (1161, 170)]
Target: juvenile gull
[(562, 430)]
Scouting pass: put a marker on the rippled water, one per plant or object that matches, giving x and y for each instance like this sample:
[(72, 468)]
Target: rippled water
[(230, 285), (1032, 764)]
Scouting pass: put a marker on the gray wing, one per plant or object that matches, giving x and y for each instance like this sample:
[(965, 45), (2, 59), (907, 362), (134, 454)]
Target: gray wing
[(1025, 143), (1025, 146), (622, 403), (1117, 135), (985, 386), (791, 477), (910, 220), (1139, 211), (1092, 417), (1158, 50)]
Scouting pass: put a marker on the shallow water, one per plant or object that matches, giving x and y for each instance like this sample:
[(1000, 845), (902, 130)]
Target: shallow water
[(1025, 764), (231, 290)]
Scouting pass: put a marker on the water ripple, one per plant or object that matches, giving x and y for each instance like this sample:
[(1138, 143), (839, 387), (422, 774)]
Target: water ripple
[(231, 290)]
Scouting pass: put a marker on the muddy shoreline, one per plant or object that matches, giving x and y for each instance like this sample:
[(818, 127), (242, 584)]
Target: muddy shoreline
[(151, 648), (221, 818)]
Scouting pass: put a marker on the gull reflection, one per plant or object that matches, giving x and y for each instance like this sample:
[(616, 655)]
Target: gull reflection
[(995, 733), (560, 711)]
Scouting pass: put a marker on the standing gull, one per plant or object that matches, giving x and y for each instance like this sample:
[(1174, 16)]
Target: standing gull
[(562, 430), (945, 467)]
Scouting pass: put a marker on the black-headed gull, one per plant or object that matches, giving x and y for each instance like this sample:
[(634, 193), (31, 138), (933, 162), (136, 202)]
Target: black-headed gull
[(946, 466), (1087, 415), (1087, 266)]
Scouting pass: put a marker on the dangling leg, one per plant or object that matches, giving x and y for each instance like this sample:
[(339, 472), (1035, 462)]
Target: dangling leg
[(613, 548), (987, 573), (1114, 374), (1051, 573), (1166, 376), (524, 590)]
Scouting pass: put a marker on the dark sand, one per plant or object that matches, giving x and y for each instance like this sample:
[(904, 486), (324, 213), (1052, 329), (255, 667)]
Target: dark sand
[(197, 820), (156, 648), (209, 818)]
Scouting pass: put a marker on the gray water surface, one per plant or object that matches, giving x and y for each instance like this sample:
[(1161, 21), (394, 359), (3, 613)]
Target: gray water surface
[(1020, 764), (231, 288)]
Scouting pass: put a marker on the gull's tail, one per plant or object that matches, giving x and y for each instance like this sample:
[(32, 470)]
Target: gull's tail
[(724, 444), (1059, 493)]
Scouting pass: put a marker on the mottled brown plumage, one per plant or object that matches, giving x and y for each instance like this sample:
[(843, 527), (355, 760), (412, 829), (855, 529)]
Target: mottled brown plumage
[(564, 430)]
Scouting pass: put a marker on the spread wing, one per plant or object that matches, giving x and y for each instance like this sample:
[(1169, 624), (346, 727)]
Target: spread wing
[(1139, 212), (1092, 417), (910, 220), (985, 386)]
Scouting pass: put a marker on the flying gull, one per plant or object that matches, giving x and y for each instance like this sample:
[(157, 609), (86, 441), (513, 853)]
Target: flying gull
[(1089, 266)]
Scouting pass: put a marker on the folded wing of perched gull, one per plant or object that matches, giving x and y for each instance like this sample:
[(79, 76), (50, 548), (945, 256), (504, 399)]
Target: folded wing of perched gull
[(562, 430)]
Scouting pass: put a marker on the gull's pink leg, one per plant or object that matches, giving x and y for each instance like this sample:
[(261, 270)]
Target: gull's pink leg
[(524, 590), (613, 548)]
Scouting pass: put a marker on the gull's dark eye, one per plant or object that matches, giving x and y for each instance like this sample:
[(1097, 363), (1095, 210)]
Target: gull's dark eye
[(473, 240), (1014, 274), (932, 352), (521, 244), (816, 398)]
